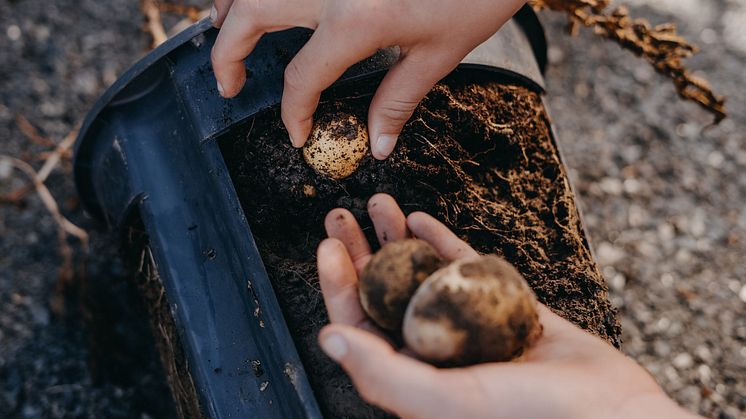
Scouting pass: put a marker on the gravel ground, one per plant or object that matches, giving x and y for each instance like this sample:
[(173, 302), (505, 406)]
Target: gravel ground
[(662, 194), (663, 197)]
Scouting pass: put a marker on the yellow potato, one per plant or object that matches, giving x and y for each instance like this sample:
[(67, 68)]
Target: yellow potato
[(337, 145)]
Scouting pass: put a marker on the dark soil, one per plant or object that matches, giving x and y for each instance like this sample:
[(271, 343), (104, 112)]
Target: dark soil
[(477, 154)]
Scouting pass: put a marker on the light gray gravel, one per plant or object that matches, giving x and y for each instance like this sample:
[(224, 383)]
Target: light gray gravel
[(663, 196), (56, 58)]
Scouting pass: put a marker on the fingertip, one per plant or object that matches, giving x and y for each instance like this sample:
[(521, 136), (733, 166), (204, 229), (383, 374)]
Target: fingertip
[(235, 41), (402, 385), (230, 77), (426, 227), (388, 219), (357, 341), (232, 80), (337, 219), (333, 343), (331, 329), (416, 219), (420, 223), (382, 147), (298, 142), (298, 131), (329, 247), (379, 199)]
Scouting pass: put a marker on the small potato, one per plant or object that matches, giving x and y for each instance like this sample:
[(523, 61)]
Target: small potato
[(391, 277), (337, 145), (472, 311)]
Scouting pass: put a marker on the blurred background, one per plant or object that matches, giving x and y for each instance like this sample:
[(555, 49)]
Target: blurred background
[(663, 195)]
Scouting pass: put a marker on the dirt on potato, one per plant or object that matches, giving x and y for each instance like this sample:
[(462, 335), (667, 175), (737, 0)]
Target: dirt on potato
[(391, 278), (478, 154), (484, 307)]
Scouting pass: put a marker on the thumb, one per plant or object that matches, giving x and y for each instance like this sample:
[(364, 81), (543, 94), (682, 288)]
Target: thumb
[(385, 378), (404, 86)]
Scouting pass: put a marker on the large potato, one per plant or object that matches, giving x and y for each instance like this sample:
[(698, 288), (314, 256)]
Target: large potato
[(472, 311)]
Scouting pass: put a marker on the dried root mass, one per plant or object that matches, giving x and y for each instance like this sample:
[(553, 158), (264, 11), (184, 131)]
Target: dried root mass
[(659, 45)]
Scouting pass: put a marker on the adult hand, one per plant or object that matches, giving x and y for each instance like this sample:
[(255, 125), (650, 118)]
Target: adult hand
[(568, 373), (433, 37)]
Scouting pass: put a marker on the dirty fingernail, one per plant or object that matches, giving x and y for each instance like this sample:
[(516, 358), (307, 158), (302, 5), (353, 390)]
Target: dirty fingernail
[(213, 14), (383, 146), (335, 346), (220, 89)]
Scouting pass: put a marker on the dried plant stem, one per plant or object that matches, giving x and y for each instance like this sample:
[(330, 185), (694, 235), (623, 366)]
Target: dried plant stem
[(65, 227), (30, 131), (192, 13), (659, 45), (153, 24), (54, 158), (51, 159), (152, 10)]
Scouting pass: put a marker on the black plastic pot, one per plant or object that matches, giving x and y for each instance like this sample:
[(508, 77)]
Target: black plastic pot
[(148, 150)]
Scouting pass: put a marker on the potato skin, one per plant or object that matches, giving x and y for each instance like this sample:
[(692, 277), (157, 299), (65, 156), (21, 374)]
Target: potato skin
[(337, 145), (392, 276), (472, 311)]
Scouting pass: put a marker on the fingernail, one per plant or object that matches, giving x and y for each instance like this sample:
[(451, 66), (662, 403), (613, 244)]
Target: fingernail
[(213, 14), (335, 346), (383, 146), (292, 141), (220, 89)]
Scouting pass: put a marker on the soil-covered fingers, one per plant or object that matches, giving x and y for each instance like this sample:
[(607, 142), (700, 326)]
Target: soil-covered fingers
[(338, 281), (388, 219), (449, 245), (341, 224), (385, 378), (244, 23), (401, 91)]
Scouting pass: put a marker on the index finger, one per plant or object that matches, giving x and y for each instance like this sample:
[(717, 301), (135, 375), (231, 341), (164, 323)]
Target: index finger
[(338, 281), (324, 58), (235, 41), (245, 23), (341, 224)]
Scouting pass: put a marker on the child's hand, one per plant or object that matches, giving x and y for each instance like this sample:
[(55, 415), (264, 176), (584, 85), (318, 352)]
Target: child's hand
[(434, 36), (568, 373)]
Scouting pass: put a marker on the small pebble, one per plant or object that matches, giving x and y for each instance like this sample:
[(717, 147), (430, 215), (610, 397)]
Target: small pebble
[(608, 254), (13, 32), (611, 186), (742, 294)]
